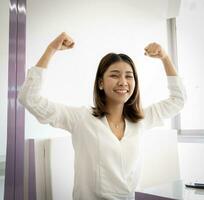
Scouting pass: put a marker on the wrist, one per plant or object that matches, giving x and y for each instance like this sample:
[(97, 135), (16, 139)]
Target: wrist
[(165, 58), (50, 51)]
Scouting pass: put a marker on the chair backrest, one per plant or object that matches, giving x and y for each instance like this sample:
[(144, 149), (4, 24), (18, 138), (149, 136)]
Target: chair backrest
[(52, 168), (59, 165), (160, 162)]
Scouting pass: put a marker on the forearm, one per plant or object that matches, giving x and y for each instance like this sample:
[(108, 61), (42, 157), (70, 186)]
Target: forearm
[(169, 66), (46, 57)]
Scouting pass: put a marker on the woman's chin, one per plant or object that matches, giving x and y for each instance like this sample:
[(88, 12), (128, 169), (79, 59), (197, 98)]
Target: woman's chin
[(118, 101)]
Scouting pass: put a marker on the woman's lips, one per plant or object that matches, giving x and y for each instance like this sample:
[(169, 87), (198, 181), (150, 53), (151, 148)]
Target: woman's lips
[(121, 91)]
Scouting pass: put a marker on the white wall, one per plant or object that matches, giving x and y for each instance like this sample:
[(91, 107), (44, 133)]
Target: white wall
[(191, 161)]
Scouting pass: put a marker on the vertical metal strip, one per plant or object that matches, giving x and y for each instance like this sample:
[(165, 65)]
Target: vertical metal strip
[(172, 48), (14, 171), (20, 114), (11, 119)]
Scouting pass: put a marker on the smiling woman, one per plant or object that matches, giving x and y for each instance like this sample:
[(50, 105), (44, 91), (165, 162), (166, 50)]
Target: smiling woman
[(106, 145), (91, 135)]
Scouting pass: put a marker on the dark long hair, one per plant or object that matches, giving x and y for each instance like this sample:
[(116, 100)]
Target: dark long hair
[(132, 108)]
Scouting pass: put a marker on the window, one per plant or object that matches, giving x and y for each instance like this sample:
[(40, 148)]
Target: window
[(190, 61)]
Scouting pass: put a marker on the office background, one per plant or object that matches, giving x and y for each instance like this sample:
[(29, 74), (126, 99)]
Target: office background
[(97, 31)]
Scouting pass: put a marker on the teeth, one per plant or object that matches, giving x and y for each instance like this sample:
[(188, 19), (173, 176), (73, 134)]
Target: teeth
[(121, 91)]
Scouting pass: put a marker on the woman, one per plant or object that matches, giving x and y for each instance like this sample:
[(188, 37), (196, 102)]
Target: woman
[(105, 138)]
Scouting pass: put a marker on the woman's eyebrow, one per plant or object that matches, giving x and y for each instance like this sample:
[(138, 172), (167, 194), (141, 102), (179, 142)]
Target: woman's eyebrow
[(129, 72), (117, 71)]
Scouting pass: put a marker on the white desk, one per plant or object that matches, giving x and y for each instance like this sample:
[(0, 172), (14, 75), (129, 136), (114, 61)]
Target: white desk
[(174, 190)]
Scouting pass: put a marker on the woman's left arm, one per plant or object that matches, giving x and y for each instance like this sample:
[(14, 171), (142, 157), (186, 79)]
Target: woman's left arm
[(155, 113), (154, 50)]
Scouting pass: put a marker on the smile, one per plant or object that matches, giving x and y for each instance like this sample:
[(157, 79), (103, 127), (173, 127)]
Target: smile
[(121, 91)]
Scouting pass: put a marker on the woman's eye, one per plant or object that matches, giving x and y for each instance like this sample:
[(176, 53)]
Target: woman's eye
[(129, 76), (114, 75)]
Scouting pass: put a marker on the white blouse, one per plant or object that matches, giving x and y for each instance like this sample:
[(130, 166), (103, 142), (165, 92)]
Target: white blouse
[(105, 167)]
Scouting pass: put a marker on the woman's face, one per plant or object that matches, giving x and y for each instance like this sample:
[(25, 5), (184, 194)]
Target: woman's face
[(118, 83)]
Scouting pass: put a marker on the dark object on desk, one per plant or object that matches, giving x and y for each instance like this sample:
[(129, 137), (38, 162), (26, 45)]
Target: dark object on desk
[(143, 196), (195, 185)]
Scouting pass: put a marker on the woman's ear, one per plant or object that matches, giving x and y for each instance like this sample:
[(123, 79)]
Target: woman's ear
[(100, 84)]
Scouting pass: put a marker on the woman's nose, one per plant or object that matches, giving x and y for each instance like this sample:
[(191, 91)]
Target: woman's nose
[(122, 81)]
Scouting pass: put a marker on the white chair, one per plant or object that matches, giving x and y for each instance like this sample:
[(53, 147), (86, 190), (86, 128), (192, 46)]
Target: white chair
[(53, 168), (59, 164), (160, 162)]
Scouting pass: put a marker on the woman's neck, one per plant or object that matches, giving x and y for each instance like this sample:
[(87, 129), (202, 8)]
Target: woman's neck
[(115, 112)]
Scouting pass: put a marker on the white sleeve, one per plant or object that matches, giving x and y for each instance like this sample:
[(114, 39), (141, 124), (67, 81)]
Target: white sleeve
[(46, 112), (156, 113)]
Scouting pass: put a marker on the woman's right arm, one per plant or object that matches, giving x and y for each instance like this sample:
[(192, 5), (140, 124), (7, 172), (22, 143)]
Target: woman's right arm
[(62, 42), (57, 115)]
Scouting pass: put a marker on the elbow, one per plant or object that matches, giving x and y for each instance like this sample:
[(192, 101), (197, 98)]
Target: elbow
[(181, 103), (177, 104), (180, 100), (181, 106), (26, 100), (183, 100), (21, 99)]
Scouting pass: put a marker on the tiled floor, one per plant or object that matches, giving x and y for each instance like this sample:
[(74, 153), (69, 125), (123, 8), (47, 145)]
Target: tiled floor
[(1, 187)]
